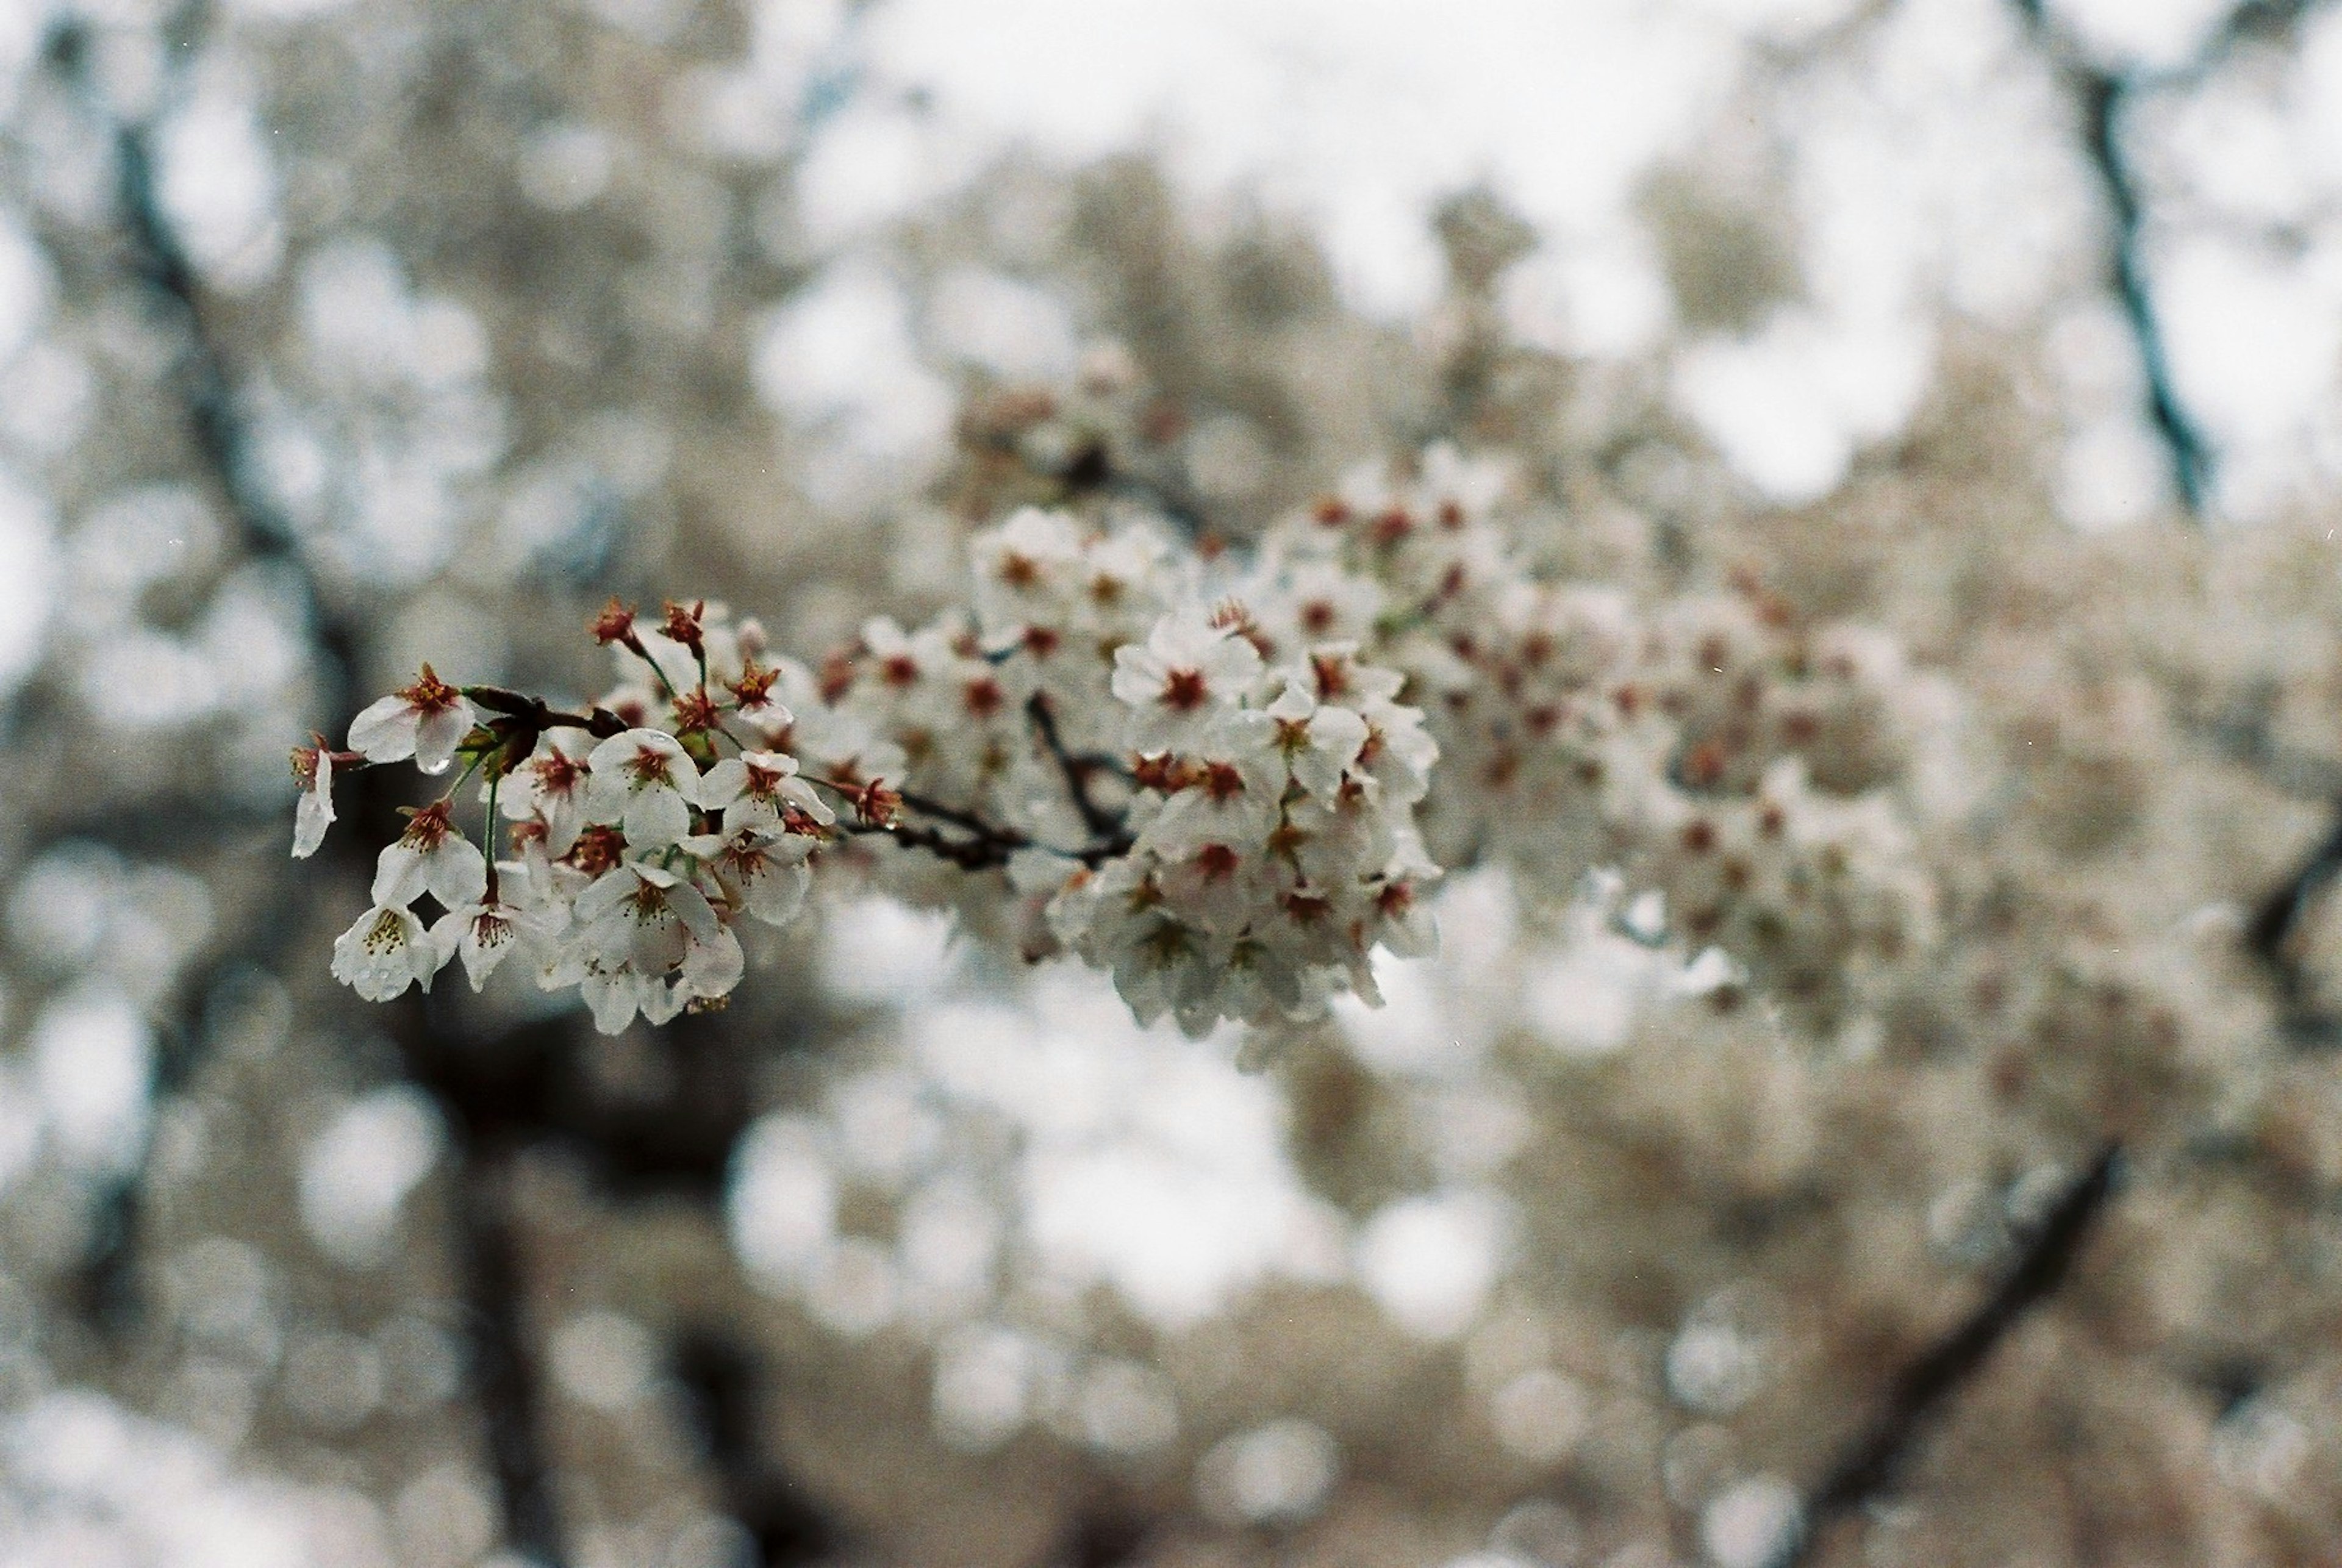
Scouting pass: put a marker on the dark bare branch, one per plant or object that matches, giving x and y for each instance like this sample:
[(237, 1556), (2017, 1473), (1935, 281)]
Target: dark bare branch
[(1868, 1466)]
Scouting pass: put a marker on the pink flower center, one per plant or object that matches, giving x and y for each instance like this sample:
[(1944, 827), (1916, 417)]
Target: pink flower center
[(557, 775)]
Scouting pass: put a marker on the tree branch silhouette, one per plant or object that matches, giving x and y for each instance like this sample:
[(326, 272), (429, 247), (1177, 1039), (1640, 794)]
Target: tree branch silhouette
[(1868, 1464)]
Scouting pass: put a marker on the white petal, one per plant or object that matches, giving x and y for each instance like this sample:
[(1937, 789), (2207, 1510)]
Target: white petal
[(315, 812), (712, 968), (385, 733), (400, 875), (661, 1001), (693, 909), (658, 945), (377, 956), (437, 736), (615, 1000), (720, 786), (483, 951), (606, 894), (1138, 675), (457, 872), (777, 892), (656, 818)]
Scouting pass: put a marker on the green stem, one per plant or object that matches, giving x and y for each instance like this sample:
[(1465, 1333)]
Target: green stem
[(461, 779), (488, 835)]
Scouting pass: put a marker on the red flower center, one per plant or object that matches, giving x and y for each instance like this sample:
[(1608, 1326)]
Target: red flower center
[(1184, 690), (764, 783), (1216, 860), (430, 694), (428, 828), (557, 775), (651, 766)]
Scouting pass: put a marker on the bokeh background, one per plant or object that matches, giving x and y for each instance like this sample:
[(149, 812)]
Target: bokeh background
[(337, 336)]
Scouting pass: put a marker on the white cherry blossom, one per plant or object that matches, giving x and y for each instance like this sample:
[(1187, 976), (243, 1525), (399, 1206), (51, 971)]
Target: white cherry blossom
[(551, 786), (431, 857), (1177, 683), (1027, 569), (645, 781), (426, 720), (642, 915), (758, 869), (485, 934), (761, 788), (1318, 740), (387, 951)]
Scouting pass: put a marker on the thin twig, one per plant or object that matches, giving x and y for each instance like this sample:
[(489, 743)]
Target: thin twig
[(1102, 823), (1869, 1463), (2104, 99), (2268, 935)]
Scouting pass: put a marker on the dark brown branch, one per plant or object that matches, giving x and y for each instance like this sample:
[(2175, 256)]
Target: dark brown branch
[(155, 256), (720, 1397), (1868, 1466), (503, 1379), (2269, 934), (988, 845), (1102, 823), (981, 853), (2104, 97)]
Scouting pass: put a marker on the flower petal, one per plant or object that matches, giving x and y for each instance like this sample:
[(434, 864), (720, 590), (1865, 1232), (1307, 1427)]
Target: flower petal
[(384, 731)]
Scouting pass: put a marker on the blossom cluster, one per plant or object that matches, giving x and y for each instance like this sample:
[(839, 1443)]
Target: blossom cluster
[(634, 848), (1275, 842), (1099, 745), (1713, 749), (1200, 770)]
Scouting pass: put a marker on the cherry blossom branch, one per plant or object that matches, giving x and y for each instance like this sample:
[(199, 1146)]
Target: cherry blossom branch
[(988, 845), (2103, 96), (968, 854), (1868, 1466)]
